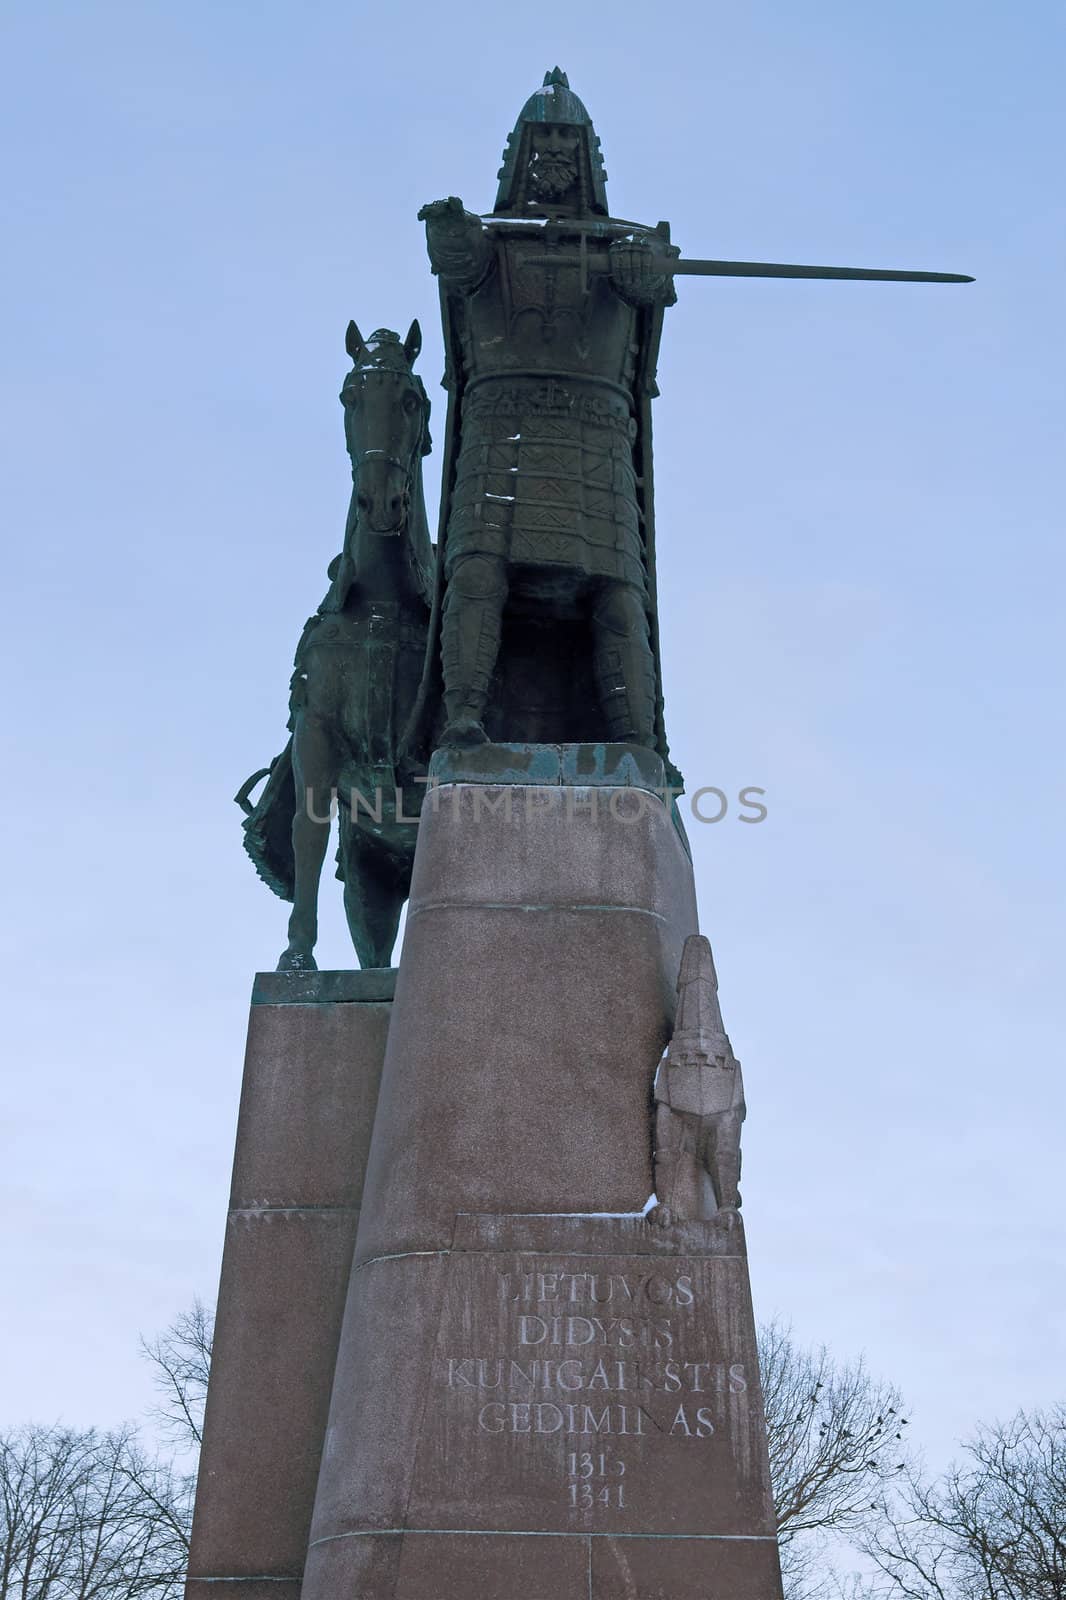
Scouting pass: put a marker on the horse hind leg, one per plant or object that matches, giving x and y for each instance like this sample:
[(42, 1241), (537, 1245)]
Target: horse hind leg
[(376, 884)]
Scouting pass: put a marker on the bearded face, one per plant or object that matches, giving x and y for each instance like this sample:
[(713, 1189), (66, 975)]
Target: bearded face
[(553, 163)]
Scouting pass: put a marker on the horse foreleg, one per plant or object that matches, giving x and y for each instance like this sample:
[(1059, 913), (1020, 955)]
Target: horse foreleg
[(309, 842), (310, 839)]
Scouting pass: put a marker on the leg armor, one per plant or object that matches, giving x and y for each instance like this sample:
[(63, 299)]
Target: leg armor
[(623, 665), (470, 638)]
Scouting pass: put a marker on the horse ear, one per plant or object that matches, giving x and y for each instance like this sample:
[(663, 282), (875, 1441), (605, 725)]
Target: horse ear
[(413, 343), (354, 342)]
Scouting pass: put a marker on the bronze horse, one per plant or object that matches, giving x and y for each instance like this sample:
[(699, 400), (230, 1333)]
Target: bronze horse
[(356, 677)]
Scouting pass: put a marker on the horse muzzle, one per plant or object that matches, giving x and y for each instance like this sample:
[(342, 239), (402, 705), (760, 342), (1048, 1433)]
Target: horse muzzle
[(383, 499)]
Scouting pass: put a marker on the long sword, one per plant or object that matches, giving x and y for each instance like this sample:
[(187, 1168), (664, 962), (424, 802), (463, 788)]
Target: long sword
[(745, 269)]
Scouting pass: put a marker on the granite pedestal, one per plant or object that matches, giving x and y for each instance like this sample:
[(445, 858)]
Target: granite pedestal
[(438, 1238), (539, 1394), (316, 1043)]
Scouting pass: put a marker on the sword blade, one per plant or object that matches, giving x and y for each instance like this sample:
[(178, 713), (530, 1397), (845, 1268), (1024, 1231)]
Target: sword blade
[(681, 267), (783, 269)]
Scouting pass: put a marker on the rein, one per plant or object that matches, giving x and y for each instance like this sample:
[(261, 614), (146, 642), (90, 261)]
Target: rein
[(408, 467)]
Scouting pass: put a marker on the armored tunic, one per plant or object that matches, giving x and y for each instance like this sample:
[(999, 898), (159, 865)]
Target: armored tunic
[(545, 474)]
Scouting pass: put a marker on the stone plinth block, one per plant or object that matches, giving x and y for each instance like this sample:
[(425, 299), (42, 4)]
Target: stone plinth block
[(554, 1407), (534, 997), (316, 1043)]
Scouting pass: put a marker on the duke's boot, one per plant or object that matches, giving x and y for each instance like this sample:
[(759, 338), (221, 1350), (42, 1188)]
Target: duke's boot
[(470, 642), (623, 665)]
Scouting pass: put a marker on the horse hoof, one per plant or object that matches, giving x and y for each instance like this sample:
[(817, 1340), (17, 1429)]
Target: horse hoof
[(297, 961), (661, 1216), (465, 732)]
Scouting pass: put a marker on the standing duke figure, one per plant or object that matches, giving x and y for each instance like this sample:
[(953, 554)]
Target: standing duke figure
[(547, 536)]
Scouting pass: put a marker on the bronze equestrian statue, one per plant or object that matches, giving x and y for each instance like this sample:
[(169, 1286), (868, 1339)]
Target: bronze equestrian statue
[(537, 621), (356, 675)]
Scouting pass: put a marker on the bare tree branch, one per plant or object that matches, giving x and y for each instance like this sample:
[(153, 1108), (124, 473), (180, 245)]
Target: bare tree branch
[(182, 1360), (993, 1527), (835, 1435), (89, 1516)]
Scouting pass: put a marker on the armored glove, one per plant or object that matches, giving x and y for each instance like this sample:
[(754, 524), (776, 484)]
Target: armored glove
[(634, 275), (456, 241)]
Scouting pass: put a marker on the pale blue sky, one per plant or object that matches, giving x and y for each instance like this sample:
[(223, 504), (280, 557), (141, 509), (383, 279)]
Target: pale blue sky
[(859, 508)]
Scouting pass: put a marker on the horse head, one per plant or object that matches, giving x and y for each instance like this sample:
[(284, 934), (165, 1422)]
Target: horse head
[(386, 425)]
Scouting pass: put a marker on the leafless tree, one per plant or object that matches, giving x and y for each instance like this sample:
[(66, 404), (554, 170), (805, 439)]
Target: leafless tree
[(991, 1528), (836, 1436), (181, 1357), (88, 1516)]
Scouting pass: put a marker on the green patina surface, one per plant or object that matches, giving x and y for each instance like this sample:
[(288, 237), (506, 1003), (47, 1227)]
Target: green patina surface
[(362, 986), (618, 766), (560, 766)]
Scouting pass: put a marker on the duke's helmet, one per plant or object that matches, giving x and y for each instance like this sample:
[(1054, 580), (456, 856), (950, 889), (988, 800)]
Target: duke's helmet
[(553, 102)]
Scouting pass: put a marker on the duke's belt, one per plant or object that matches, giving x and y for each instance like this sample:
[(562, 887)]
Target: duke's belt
[(589, 400)]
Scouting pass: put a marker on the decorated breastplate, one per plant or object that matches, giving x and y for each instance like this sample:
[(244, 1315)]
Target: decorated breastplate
[(528, 317)]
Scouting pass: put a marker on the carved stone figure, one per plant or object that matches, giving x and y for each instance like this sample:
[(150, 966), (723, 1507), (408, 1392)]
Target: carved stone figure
[(699, 1101), (357, 671)]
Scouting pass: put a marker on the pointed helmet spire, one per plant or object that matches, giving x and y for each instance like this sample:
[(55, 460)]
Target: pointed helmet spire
[(698, 1031), (553, 103)]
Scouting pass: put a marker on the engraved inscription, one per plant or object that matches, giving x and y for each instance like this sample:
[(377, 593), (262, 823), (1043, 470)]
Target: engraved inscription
[(591, 1371)]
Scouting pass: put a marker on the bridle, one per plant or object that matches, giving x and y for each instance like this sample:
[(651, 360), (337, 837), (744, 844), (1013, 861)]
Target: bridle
[(406, 467)]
